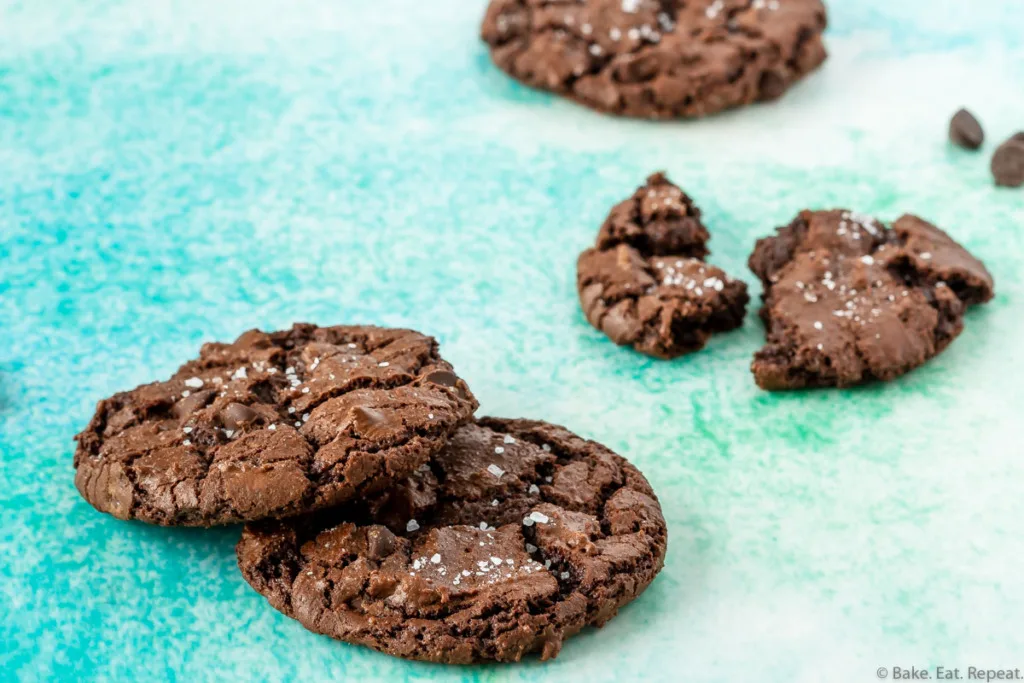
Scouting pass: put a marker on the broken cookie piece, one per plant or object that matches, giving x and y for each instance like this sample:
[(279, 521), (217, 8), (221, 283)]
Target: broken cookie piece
[(645, 284), (848, 300)]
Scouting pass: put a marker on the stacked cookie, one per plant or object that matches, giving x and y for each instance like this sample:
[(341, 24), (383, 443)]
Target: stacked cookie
[(657, 59), (378, 510)]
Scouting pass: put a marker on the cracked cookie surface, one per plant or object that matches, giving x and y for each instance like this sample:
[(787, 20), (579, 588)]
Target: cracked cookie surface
[(645, 284), (272, 425), (513, 538), (848, 300), (657, 58)]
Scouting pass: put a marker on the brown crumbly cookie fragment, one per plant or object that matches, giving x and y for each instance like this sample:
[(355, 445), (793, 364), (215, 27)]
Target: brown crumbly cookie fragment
[(657, 58), (848, 300), (272, 425), (646, 285), (513, 538)]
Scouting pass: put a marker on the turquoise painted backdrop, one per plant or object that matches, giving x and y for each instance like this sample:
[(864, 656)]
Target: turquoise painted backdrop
[(176, 172)]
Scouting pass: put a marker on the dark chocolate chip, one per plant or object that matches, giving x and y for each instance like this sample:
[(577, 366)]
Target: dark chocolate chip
[(369, 423), (772, 85), (965, 131), (1008, 162), (235, 415), (849, 300), (443, 377), (449, 379), (193, 402)]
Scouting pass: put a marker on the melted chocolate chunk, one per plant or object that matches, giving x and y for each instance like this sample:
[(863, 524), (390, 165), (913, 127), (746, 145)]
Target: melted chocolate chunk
[(646, 285), (1008, 162)]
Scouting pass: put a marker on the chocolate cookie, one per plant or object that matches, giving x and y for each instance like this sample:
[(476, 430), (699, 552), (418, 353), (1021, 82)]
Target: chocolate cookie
[(848, 300), (513, 538), (272, 425), (657, 58), (646, 284)]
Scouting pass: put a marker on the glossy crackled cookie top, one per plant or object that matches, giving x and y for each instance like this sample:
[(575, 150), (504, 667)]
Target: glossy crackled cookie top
[(514, 537), (272, 425)]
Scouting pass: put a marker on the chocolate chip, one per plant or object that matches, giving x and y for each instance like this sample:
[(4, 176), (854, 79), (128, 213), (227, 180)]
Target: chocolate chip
[(446, 378), (380, 542), (202, 449), (443, 377), (1008, 162), (235, 415), (965, 131)]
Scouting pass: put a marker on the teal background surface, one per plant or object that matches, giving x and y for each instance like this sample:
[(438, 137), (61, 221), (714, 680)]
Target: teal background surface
[(173, 172)]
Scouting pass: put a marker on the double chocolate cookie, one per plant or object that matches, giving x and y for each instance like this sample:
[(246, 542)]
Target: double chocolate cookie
[(645, 284), (272, 425), (513, 538), (657, 58), (848, 300)]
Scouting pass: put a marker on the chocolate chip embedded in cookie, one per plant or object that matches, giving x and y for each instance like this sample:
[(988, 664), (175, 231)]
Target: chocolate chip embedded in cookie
[(272, 425), (646, 285), (848, 300), (657, 58), (515, 537)]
